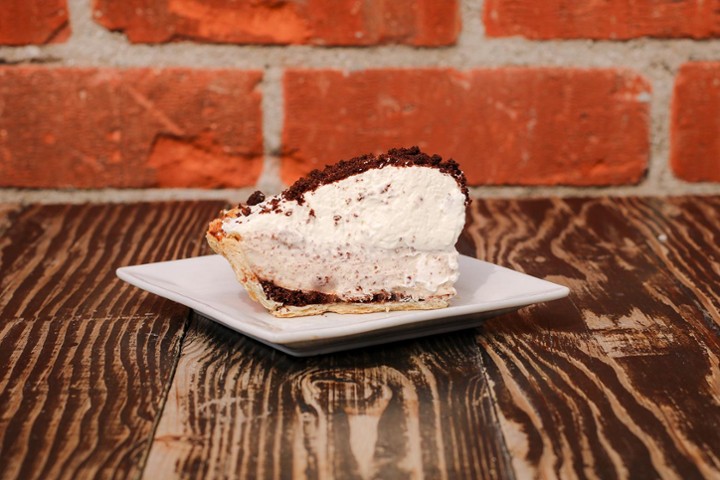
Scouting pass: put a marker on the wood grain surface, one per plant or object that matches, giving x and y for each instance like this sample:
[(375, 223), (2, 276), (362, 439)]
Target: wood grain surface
[(620, 380), (86, 359), (407, 410)]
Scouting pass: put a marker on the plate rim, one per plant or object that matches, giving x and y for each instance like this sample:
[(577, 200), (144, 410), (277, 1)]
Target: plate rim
[(278, 337)]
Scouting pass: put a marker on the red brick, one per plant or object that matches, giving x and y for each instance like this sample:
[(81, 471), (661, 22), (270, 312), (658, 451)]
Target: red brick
[(26, 22), (318, 22), (95, 128), (610, 19), (695, 124), (522, 126)]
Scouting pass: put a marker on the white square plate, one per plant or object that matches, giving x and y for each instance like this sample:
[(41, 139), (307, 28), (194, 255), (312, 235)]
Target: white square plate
[(208, 286)]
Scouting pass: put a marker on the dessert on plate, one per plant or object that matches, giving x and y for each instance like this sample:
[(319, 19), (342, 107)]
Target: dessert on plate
[(375, 233)]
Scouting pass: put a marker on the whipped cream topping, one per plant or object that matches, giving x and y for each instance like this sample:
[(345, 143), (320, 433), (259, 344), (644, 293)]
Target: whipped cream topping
[(391, 229)]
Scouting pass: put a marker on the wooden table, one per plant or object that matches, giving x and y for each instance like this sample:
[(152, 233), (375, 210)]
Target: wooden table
[(622, 379)]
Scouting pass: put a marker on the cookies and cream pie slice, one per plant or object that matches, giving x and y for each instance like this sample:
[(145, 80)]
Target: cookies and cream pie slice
[(375, 233)]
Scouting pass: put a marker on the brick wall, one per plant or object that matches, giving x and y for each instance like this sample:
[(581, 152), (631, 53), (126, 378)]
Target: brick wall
[(107, 99)]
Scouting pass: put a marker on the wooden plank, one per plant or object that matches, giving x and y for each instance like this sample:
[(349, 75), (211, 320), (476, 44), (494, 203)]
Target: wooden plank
[(684, 233), (622, 379), (8, 213), (86, 358), (411, 410)]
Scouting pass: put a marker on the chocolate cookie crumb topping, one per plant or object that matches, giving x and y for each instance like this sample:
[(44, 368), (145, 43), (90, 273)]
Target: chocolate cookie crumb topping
[(255, 198), (396, 157)]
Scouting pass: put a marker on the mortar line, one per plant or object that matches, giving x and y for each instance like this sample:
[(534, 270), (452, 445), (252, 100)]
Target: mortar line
[(272, 110), (46, 196)]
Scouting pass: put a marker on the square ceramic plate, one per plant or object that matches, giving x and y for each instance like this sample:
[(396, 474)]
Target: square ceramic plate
[(208, 286)]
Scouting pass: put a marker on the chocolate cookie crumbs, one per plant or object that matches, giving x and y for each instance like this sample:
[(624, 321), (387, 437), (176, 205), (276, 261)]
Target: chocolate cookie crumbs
[(396, 157), (255, 198), (273, 206), (296, 298)]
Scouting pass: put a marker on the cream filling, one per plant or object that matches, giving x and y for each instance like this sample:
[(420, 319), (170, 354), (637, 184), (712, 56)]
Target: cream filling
[(386, 230)]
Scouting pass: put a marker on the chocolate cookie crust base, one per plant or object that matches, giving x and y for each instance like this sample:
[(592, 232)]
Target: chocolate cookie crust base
[(301, 298)]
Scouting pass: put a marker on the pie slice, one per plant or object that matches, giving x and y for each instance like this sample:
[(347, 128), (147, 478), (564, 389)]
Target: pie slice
[(375, 233)]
